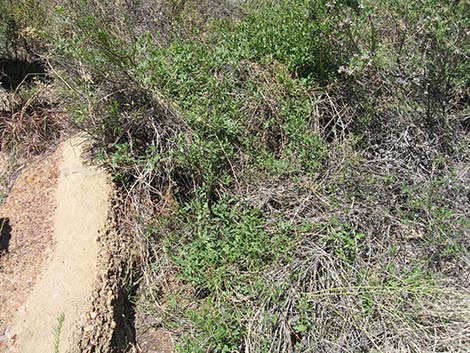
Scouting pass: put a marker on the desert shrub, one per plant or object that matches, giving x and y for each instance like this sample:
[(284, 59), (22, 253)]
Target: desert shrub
[(416, 52), (201, 82), (22, 25), (298, 34), (293, 169)]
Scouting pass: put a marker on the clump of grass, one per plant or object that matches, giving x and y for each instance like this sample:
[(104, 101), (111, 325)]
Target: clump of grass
[(58, 331), (32, 125)]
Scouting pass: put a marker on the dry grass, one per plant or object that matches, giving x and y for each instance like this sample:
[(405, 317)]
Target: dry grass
[(32, 126)]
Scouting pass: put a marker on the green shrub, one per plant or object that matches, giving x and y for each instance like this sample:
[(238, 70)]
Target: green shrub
[(294, 149), (222, 254), (225, 243), (22, 26)]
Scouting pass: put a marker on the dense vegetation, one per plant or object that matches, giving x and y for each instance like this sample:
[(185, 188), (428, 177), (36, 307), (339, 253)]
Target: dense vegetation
[(295, 172)]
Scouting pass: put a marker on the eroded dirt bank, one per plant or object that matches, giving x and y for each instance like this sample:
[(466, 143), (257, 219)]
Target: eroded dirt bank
[(64, 287)]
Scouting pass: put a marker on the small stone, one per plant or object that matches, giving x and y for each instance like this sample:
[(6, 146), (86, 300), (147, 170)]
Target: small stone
[(109, 301)]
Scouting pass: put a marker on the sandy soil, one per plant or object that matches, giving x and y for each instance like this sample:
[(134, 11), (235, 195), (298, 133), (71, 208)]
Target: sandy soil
[(66, 281), (28, 214)]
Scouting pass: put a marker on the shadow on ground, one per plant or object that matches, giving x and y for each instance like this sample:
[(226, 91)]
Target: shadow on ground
[(5, 235)]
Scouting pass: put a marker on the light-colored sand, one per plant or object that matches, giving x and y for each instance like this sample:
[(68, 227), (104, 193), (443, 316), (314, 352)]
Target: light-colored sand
[(29, 210), (65, 284)]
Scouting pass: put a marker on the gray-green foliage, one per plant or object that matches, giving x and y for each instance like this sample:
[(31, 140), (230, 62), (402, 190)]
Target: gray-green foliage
[(58, 331), (21, 27), (294, 164)]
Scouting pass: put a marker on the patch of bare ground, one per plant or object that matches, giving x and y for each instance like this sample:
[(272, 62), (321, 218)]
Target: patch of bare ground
[(62, 255), (28, 214), (66, 282), (62, 258)]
